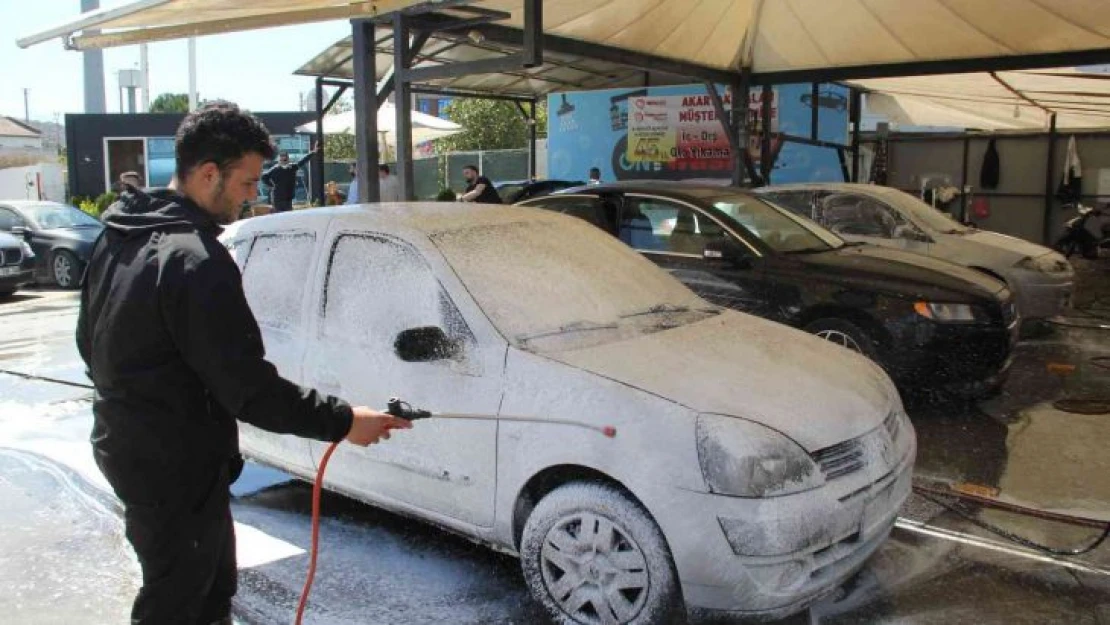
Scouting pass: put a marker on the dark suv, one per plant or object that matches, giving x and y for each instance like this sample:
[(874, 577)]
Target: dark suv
[(928, 322)]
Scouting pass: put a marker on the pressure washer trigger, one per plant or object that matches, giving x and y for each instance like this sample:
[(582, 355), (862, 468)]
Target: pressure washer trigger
[(404, 410)]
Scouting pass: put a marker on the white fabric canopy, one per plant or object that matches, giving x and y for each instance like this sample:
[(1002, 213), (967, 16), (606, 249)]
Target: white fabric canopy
[(424, 127), (994, 101), (765, 35)]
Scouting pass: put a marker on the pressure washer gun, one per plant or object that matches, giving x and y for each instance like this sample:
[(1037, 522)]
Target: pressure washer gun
[(404, 410)]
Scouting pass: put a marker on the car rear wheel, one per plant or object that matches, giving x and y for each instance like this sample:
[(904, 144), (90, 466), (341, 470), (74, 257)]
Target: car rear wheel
[(592, 556), (66, 270), (845, 334)]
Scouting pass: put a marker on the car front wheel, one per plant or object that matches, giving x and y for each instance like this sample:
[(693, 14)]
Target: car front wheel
[(66, 269), (845, 334), (592, 556)]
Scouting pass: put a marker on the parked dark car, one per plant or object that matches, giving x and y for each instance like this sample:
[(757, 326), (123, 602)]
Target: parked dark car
[(61, 236), (17, 264), (926, 321), (513, 191)]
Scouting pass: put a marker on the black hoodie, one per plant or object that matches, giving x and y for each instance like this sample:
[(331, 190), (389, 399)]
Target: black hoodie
[(176, 355)]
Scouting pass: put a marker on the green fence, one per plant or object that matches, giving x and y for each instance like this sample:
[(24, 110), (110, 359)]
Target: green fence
[(436, 172)]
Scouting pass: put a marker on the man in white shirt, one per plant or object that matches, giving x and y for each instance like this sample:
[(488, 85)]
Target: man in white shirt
[(390, 187)]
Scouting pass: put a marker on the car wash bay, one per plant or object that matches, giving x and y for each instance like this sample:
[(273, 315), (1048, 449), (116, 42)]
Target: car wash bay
[(65, 555), (946, 569)]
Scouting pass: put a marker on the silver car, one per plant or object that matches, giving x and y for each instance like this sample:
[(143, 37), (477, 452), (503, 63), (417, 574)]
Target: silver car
[(1042, 279), (754, 467)]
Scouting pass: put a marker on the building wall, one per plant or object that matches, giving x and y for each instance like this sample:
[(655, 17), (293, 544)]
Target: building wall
[(20, 143), (85, 135), (1017, 205)]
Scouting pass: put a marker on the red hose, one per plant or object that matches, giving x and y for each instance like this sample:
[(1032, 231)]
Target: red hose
[(317, 486)]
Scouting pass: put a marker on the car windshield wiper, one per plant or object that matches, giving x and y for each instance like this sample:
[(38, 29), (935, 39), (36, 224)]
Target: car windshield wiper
[(658, 308), (808, 250), (577, 326)]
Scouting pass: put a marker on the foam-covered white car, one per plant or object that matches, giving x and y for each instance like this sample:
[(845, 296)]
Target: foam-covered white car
[(754, 468), (1042, 279)]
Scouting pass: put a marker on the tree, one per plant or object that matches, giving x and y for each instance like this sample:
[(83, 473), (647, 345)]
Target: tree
[(489, 125), (340, 147), (170, 103)]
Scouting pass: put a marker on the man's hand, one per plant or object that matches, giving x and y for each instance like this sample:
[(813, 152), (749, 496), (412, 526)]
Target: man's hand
[(370, 426)]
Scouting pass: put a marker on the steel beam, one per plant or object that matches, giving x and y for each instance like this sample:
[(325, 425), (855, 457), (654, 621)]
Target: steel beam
[(318, 158), (462, 93), (402, 57), (814, 93), (390, 81), (856, 104), (467, 68), (741, 109), (532, 53), (1096, 56), (508, 35), (766, 159), (1049, 179), (366, 110)]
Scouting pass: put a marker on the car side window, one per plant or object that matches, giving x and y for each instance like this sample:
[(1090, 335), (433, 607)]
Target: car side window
[(797, 202), (274, 280), (859, 215), (240, 249), (10, 219), (650, 224), (378, 287), (590, 209)]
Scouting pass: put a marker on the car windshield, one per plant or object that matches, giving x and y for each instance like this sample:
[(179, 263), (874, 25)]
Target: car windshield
[(59, 216), (557, 284), (780, 229), (923, 214)]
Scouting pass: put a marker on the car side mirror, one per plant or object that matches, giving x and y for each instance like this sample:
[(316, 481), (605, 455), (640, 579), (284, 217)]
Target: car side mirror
[(22, 231), (729, 251), (911, 233), (425, 344)]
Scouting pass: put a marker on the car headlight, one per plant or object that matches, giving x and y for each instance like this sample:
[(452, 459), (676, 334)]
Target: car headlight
[(950, 313), (1049, 263), (745, 459), (27, 251)]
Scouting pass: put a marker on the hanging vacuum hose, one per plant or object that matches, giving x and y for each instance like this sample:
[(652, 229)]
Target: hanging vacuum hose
[(404, 410)]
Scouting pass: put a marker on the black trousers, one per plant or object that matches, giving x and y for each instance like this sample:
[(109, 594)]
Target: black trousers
[(282, 205), (187, 553)]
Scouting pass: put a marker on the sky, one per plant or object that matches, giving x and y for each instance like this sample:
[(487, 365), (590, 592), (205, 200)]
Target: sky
[(254, 69)]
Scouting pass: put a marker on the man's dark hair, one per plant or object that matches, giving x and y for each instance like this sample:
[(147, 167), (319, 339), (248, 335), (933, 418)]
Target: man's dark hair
[(473, 168), (595, 171), (384, 169), (219, 133)]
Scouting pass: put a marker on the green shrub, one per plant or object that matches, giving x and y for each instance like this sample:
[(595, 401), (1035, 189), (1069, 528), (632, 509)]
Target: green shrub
[(88, 206), (104, 200), (445, 195)]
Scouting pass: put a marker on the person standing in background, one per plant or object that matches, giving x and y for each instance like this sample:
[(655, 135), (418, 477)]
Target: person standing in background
[(479, 189), (595, 176), (390, 187), (282, 180), (352, 190)]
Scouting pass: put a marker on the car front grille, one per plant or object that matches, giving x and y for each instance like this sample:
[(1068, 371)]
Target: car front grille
[(841, 459), (11, 256), (844, 459)]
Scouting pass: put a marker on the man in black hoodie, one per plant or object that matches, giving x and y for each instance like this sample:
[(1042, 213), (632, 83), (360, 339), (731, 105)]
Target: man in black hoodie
[(176, 357)]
